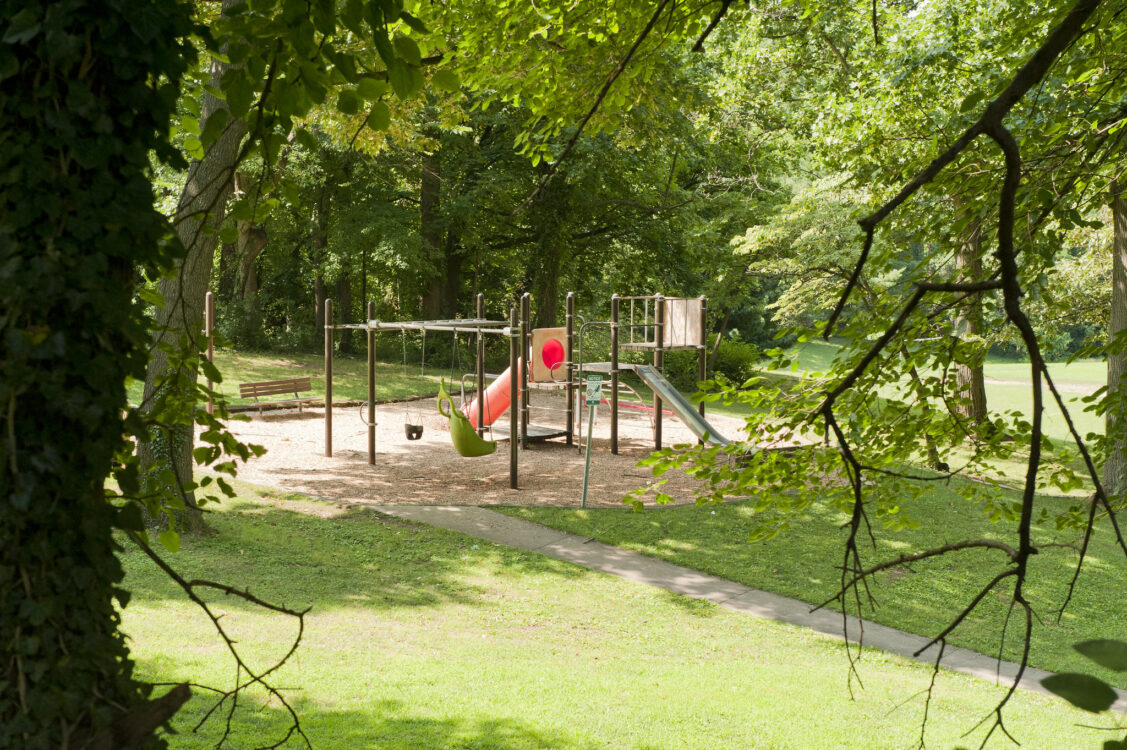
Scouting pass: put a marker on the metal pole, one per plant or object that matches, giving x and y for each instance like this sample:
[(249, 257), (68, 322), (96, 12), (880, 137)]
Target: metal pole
[(525, 328), (570, 368), (328, 377), (371, 387), (209, 325), (659, 359), (702, 355), (514, 342), (614, 372), (587, 457), (480, 374)]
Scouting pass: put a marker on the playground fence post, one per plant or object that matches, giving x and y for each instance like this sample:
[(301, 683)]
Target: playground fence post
[(479, 374), (525, 350), (329, 377), (209, 326), (614, 372), (659, 359), (514, 342), (570, 367), (702, 353), (371, 387)]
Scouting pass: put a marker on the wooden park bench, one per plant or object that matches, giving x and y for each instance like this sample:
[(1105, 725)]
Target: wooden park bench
[(278, 388)]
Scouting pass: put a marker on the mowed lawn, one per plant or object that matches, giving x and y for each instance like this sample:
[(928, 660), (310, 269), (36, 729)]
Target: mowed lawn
[(423, 638), (1007, 386), (922, 598), (350, 376)]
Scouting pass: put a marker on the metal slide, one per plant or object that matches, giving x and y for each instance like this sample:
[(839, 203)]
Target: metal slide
[(680, 405)]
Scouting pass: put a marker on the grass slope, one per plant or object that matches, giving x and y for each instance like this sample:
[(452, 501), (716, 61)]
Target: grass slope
[(421, 638), (801, 563)]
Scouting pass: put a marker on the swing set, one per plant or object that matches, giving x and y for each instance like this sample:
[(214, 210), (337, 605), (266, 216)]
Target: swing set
[(548, 358), (466, 432)]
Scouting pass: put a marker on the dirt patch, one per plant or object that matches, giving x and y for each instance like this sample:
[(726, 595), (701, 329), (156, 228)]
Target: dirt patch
[(430, 472)]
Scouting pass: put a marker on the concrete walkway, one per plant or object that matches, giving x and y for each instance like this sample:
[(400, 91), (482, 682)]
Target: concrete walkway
[(514, 532)]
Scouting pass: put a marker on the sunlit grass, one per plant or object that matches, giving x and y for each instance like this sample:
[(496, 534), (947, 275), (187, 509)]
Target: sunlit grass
[(421, 638), (803, 563)]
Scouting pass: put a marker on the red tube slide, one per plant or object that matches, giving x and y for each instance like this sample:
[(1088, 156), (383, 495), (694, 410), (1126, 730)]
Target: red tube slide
[(497, 397)]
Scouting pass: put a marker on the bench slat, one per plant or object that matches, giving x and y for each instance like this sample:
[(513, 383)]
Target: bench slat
[(284, 387)]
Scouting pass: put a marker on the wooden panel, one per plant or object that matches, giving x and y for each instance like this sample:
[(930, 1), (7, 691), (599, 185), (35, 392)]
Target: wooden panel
[(682, 322), (540, 371)]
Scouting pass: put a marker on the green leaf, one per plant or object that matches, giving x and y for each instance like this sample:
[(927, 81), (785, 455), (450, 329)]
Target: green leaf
[(446, 80), (400, 76), (306, 140), (1081, 690), (413, 22), (380, 117), (214, 126), (152, 296), (23, 27), (170, 540), (406, 48), (348, 102), (190, 125), (129, 518), (371, 89), (1116, 744), (1106, 652)]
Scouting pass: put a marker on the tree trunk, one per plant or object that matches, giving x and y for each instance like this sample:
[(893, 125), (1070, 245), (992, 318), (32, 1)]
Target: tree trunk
[(1115, 468), (452, 277), (198, 216), (251, 243), (319, 296), (970, 378), (430, 229)]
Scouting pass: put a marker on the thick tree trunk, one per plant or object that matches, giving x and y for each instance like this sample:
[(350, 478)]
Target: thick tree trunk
[(430, 230), (319, 296), (1115, 468), (198, 216), (971, 378), (452, 277), (251, 243)]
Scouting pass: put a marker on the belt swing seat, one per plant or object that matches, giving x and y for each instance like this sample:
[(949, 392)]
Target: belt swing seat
[(465, 438)]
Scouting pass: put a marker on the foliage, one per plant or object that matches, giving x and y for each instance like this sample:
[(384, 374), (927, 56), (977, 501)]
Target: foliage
[(86, 91)]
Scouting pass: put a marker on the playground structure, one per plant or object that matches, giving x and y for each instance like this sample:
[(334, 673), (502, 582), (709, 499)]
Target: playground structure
[(551, 359)]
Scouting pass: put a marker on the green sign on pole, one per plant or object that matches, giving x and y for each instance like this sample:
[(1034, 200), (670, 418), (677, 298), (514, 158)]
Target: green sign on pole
[(594, 398), (594, 390)]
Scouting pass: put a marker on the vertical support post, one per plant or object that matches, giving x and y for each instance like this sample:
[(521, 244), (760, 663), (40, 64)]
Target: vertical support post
[(209, 331), (480, 373), (329, 377), (659, 360), (514, 342), (614, 372), (702, 353), (371, 387), (525, 335), (569, 355)]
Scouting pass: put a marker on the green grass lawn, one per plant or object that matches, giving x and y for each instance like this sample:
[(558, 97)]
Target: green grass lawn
[(349, 376), (422, 638), (801, 563)]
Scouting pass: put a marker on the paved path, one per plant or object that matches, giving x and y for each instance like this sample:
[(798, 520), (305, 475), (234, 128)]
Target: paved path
[(514, 532)]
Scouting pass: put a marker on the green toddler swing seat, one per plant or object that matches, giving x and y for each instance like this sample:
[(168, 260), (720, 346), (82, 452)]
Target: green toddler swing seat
[(465, 438)]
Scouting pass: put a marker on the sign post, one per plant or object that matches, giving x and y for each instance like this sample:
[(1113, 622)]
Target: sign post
[(593, 399)]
